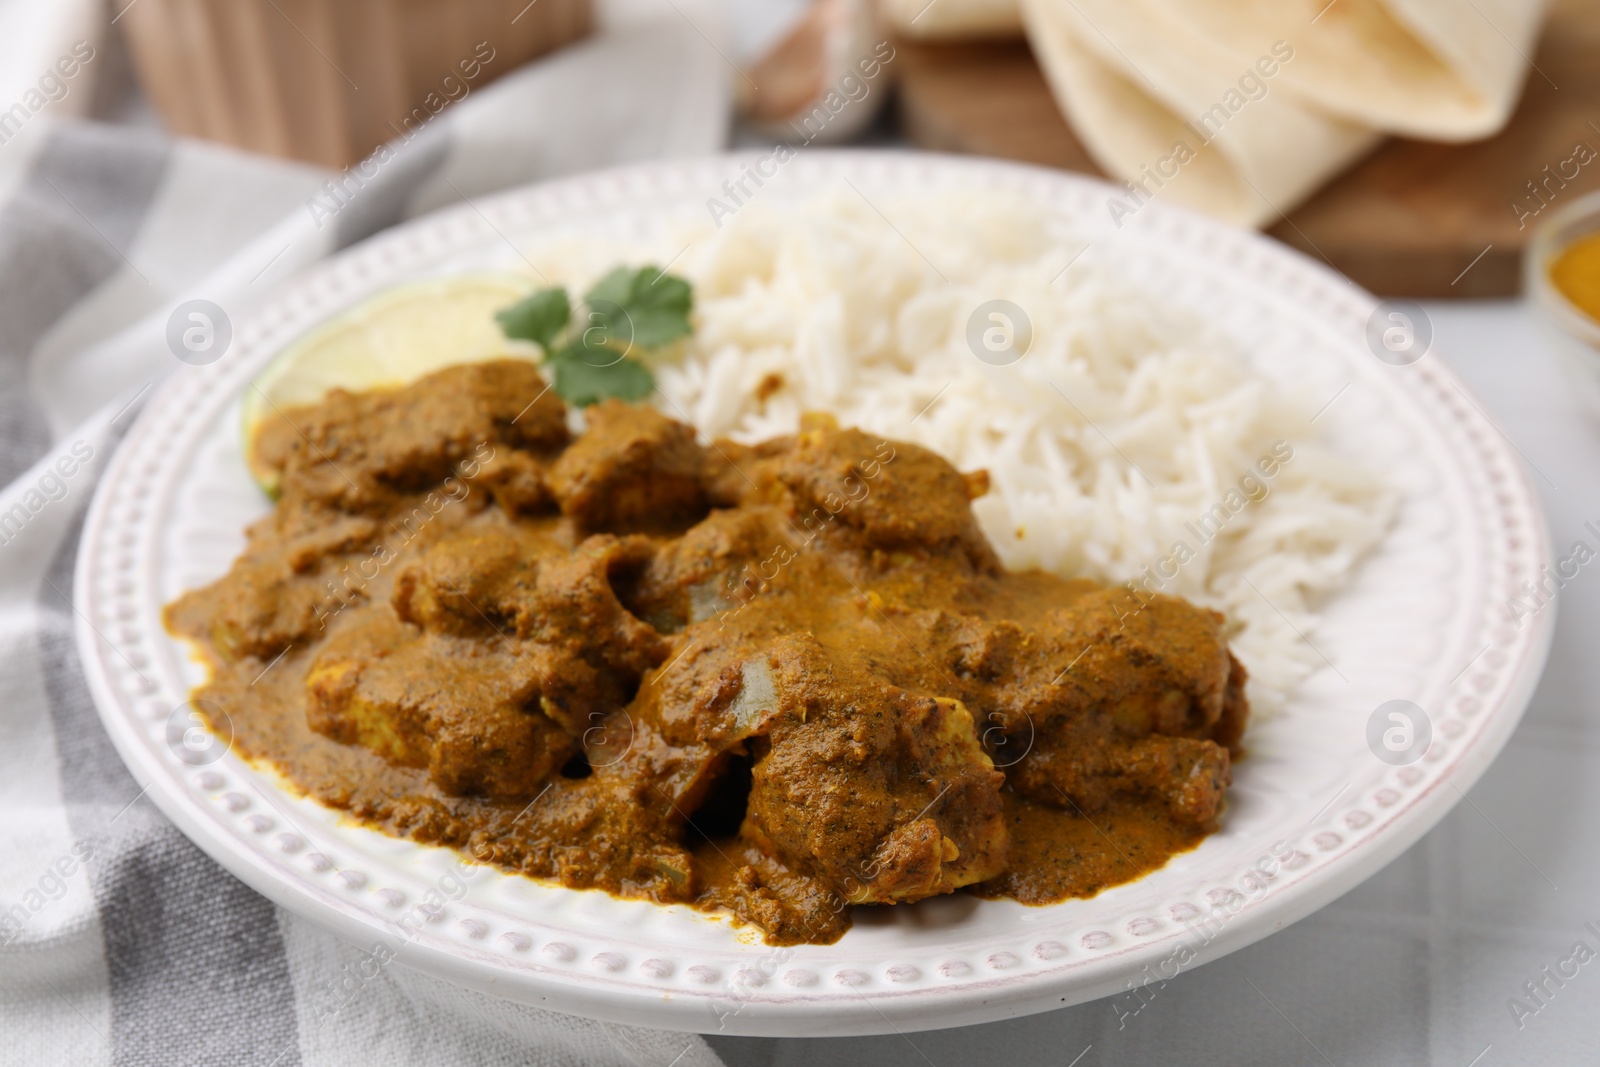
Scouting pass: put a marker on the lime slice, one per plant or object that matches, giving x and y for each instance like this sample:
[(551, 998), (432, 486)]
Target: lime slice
[(396, 337)]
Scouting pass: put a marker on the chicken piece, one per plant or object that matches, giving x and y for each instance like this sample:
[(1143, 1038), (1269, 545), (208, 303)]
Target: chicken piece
[(1190, 776), (593, 832), (259, 609), (517, 481), (464, 711), (483, 576), (883, 795), (706, 694), (281, 592), (857, 788), (693, 716), (1158, 665), (1105, 695), (892, 496), (633, 469), (718, 566), (1125, 664), (1115, 694), (303, 552), (356, 451), (557, 605)]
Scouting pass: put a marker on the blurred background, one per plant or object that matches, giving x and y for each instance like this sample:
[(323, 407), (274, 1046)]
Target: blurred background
[(1399, 143)]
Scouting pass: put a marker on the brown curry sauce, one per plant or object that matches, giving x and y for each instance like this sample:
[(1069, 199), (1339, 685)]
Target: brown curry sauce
[(778, 679)]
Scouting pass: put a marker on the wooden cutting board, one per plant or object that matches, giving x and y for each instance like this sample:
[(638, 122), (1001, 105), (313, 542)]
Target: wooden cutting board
[(1412, 219)]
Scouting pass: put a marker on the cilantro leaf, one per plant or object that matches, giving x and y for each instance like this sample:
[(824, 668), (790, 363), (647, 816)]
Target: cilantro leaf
[(615, 288), (539, 318), (645, 307), (589, 356), (587, 374)]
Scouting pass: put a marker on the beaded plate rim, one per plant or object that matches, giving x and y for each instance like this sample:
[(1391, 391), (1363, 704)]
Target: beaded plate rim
[(733, 984)]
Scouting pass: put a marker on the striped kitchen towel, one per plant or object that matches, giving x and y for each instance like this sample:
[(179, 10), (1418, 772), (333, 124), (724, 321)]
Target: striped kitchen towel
[(120, 942)]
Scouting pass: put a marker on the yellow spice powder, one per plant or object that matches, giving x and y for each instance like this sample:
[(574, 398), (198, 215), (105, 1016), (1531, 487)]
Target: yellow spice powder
[(1576, 273)]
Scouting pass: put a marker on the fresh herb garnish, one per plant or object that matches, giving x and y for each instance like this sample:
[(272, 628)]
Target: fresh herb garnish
[(592, 355), (539, 318), (655, 306)]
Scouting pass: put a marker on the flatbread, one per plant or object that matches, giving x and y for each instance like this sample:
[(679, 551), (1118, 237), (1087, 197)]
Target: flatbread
[(1447, 70), (945, 20), (1178, 119)]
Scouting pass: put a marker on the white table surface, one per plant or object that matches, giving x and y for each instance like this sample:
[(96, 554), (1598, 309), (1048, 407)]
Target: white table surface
[(1416, 966)]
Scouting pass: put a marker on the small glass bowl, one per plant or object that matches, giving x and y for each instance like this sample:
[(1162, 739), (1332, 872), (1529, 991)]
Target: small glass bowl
[(1574, 335)]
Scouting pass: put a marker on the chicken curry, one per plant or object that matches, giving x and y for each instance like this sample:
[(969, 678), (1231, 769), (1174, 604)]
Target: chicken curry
[(773, 680)]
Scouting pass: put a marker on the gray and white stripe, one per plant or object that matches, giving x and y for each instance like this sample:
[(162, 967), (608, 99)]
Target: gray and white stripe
[(128, 945)]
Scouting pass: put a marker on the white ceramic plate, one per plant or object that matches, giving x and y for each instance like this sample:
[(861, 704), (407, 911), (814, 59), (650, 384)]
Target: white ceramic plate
[(1313, 811)]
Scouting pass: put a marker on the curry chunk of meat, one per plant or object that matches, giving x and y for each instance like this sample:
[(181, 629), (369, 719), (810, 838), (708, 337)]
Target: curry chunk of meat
[(884, 795), (872, 793), (502, 650), (633, 468), (882, 495), (359, 476), (1117, 693), (465, 711), (363, 451), (863, 493), (554, 606), (717, 567), (1084, 775), (282, 590)]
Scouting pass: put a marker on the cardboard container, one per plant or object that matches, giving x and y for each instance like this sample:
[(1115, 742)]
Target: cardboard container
[(327, 81)]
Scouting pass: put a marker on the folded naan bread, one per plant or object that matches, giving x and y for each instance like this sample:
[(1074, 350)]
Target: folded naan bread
[(1443, 70), (1178, 119), (1242, 108)]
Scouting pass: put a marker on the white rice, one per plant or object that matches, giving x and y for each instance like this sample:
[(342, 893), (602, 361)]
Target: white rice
[(1123, 425)]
